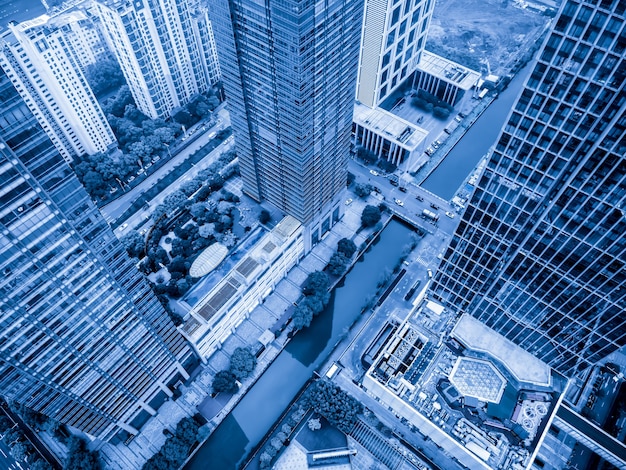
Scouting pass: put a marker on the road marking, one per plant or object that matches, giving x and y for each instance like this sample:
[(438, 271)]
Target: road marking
[(421, 261)]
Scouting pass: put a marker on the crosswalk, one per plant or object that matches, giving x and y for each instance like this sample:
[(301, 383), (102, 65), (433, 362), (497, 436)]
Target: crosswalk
[(422, 261)]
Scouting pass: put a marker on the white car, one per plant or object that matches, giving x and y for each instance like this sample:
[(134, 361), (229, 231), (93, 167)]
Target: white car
[(450, 214), (123, 226), (399, 202), (348, 202), (373, 173)]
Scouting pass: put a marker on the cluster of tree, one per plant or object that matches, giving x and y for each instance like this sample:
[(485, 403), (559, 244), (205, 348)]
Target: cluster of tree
[(363, 190), (370, 158), (104, 76), (280, 438), (430, 103), (79, 457), (341, 258), (370, 216), (316, 297), (177, 446), (198, 108), (242, 364), (265, 216), (338, 407)]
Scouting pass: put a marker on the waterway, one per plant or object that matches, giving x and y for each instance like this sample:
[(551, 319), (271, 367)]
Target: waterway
[(445, 180), (253, 416)]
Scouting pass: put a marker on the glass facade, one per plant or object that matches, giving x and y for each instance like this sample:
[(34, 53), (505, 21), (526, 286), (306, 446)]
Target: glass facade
[(289, 70), (82, 337), (540, 251)]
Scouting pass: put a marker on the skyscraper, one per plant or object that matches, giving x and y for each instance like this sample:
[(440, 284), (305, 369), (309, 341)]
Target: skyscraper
[(39, 60), (83, 339), (289, 71), (394, 36), (160, 51), (540, 252)]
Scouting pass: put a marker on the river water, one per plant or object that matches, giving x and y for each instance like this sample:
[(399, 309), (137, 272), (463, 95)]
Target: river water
[(246, 425), (445, 180)]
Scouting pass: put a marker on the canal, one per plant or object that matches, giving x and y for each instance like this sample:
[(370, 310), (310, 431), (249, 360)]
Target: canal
[(445, 180), (253, 416)]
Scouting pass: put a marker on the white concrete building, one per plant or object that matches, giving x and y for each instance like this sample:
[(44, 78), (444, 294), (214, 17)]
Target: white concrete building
[(162, 50), (42, 66), (392, 42), (213, 319)]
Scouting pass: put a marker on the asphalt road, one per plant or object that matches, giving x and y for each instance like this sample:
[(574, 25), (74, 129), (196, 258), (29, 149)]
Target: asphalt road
[(116, 208)]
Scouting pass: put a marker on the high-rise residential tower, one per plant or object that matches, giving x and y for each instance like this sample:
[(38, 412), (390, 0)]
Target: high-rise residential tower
[(394, 36), (540, 252), (83, 339), (40, 61), (162, 49), (289, 70)]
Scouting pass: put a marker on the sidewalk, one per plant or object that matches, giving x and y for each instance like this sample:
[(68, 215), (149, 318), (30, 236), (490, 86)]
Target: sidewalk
[(262, 318)]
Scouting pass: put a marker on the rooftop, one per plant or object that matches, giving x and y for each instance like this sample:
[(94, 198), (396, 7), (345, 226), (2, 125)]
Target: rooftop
[(478, 378), (208, 260), (524, 366), (448, 70), (389, 126)]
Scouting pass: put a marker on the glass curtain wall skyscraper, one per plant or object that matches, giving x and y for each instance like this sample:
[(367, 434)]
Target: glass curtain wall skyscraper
[(83, 339), (540, 252), (289, 71)]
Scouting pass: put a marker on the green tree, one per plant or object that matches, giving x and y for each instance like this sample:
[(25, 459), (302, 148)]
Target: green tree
[(104, 75), (20, 451), (79, 457), (302, 316), (337, 264), (225, 381), (362, 190), (316, 282), (339, 408), (370, 216), (347, 247), (242, 363), (40, 464), (134, 243), (264, 216)]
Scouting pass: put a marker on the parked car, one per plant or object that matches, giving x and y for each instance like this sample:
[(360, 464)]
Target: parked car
[(419, 198), (429, 151), (450, 214), (434, 206), (348, 201), (373, 173), (399, 202)]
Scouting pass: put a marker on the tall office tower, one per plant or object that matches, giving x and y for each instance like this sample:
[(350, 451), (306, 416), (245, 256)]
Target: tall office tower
[(159, 51), (82, 337), (289, 71), (43, 68), (394, 36), (540, 252)]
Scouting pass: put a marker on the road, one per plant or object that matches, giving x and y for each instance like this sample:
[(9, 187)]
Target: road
[(116, 208)]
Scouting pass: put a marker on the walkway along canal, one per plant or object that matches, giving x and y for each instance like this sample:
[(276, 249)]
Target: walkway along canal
[(252, 417), (445, 179)]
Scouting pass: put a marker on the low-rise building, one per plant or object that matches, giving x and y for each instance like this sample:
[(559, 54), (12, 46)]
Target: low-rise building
[(214, 317)]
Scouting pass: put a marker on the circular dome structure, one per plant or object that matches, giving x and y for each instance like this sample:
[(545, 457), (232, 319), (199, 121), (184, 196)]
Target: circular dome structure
[(208, 260), (542, 409)]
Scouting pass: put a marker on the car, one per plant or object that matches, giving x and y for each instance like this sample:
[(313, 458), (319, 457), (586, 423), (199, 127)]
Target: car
[(373, 173), (144, 231), (435, 145), (376, 189), (458, 118), (131, 179), (438, 142), (402, 188), (148, 165), (123, 226), (462, 115), (399, 202), (212, 135), (429, 151), (450, 214), (434, 206), (419, 198), (113, 190), (348, 202), (156, 159), (140, 171), (430, 273)]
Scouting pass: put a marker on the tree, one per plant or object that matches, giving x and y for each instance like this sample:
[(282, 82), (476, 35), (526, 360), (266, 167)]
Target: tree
[(370, 216), (302, 316), (79, 457), (134, 243), (264, 216), (225, 381), (40, 464), (314, 424), (242, 363), (339, 408), (347, 247), (20, 451), (317, 281), (441, 112), (104, 75), (337, 264), (362, 190)]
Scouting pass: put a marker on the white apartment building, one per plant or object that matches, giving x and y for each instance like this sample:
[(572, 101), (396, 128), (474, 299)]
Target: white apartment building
[(392, 42), (40, 63), (213, 319), (161, 48)]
